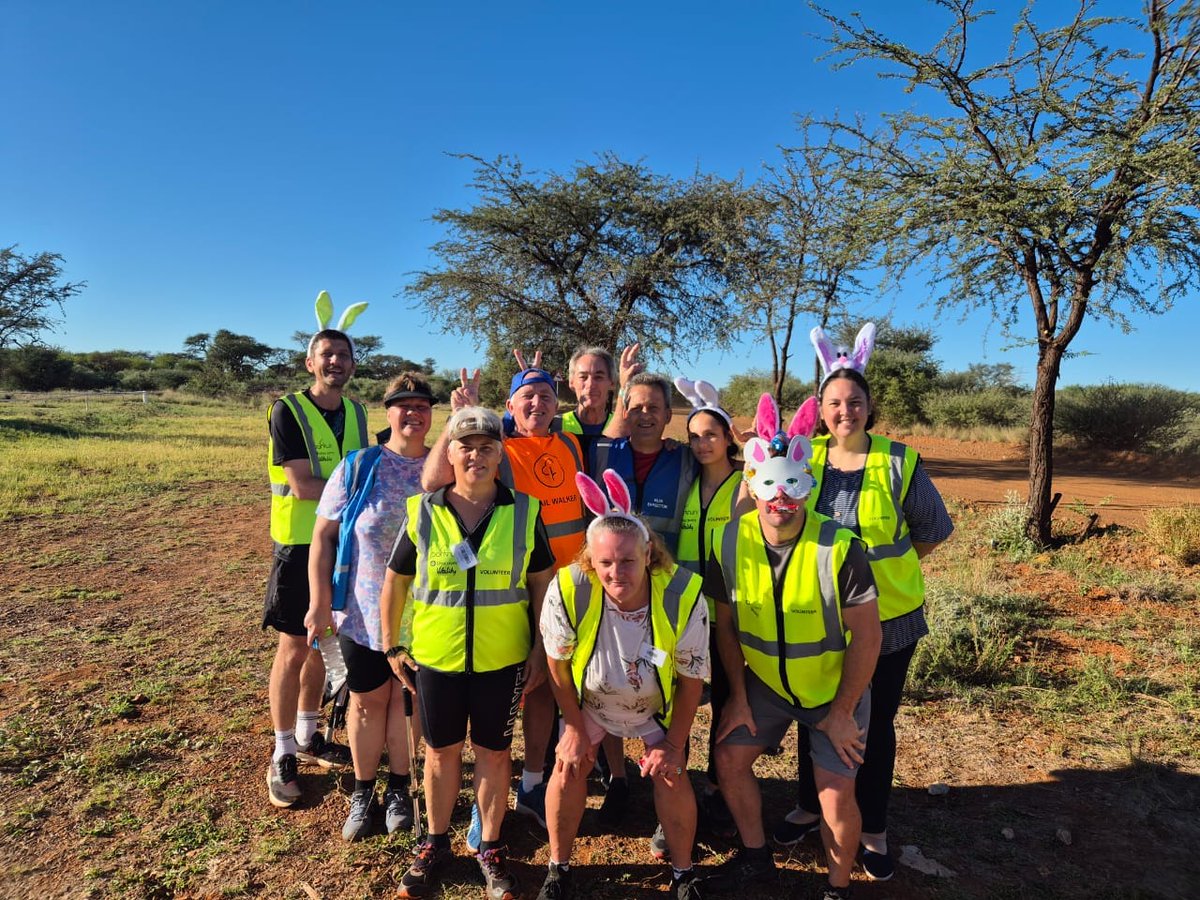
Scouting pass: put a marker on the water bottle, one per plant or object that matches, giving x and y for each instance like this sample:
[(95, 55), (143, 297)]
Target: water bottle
[(335, 665)]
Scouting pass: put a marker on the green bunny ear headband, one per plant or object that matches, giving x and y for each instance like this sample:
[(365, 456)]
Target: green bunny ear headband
[(324, 309)]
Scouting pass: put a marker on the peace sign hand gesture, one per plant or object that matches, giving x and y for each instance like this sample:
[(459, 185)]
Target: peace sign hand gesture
[(467, 394), (520, 357)]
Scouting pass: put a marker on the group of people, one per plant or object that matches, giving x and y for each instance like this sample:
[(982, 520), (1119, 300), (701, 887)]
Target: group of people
[(591, 576)]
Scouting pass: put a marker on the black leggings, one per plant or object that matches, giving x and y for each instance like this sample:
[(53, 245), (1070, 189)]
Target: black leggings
[(873, 786)]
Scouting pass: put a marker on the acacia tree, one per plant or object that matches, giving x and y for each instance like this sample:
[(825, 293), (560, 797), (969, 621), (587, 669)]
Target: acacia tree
[(608, 254), (803, 238), (1062, 176), (31, 290)]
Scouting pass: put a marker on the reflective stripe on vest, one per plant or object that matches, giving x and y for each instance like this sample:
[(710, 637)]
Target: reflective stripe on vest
[(475, 620), (563, 512), (293, 519), (663, 496), (673, 596), (796, 650), (887, 475)]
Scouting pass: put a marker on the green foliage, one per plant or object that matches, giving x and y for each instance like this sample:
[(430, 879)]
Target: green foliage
[(978, 377), (989, 407), (1005, 529), (31, 289), (1176, 532), (1125, 416), (971, 639), (607, 254), (740, 395), (900, 379)]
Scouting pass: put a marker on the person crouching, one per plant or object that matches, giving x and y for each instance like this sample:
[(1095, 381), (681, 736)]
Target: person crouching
[(626, 636)]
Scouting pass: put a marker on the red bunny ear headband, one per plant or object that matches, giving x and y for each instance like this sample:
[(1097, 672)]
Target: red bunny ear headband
[(833, 359), (595, 500)]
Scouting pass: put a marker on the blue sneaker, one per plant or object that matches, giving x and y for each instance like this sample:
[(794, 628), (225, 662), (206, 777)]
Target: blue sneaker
[(532, 803), (475, 831)]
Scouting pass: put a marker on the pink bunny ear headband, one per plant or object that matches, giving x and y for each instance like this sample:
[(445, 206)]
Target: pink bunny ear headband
[(595, 500), (704, 398), (832, 360), (777, 460)]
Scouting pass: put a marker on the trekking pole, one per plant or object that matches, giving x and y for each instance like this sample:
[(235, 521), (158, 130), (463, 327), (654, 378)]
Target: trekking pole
[(414, 771)]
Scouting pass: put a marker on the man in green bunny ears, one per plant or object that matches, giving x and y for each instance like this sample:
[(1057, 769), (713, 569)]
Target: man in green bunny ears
[(310, 432)]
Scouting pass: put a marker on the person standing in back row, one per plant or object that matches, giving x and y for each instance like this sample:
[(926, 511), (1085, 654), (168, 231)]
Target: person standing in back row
[(310, 432), (878, 489)]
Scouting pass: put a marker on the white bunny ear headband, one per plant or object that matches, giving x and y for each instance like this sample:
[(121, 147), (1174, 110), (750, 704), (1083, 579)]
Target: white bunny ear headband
[(595, 500), (703, 397), (833, 359), (325, 316)]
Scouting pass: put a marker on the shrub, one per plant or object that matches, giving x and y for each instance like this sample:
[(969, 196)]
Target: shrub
[(1124, 416), (971, 638), (740, 395), (1005, 529), (1176, 532), (992, 407)]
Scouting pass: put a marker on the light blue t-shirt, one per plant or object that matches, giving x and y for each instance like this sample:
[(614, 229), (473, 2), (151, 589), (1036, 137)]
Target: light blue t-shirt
[(397, 478)]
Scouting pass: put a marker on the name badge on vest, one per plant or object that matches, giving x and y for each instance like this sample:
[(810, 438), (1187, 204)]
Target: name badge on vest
[(652, 654), (464, 555)]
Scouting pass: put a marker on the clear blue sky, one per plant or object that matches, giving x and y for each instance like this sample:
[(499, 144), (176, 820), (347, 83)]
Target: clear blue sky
[(208, 165)]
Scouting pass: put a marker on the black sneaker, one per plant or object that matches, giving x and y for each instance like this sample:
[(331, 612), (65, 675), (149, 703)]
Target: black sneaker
[(878, 866), (788, 834), (325, 754), (557, 885), (422, 876), (832, 893), (615, 805), (715, 815), (501, 885), (283, 784), (398, 810), (358, 823), (744, 867), (686, 886)]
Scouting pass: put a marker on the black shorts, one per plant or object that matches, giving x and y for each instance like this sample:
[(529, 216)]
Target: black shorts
[(287, 590), (366, 669), (490, 700)]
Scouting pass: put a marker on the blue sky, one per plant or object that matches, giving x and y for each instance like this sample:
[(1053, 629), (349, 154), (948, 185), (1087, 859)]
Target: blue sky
[(212, 165)]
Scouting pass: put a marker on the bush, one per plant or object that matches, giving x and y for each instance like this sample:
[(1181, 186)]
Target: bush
[(971, 638), (1176, 532), (1005, 529), (740, 395), (1125, 416), (992, 407)]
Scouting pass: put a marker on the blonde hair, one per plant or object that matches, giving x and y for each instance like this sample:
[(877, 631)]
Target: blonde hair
[(660, 557)]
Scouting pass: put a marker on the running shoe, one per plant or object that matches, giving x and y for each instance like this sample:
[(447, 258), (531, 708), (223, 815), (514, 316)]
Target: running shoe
[(283, 784), (421, 879), (325, 754), (500, 883), (358, 822)]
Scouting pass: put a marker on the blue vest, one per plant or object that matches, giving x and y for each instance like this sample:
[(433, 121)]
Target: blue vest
[(662, 499)]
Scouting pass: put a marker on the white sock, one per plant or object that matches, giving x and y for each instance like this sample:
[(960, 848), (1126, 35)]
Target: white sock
[(306, 727), (876, 843), (530, 780), (285, 744), (800, 816)]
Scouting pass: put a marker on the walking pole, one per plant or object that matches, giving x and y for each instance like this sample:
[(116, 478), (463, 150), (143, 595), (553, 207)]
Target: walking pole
[(412, 761)]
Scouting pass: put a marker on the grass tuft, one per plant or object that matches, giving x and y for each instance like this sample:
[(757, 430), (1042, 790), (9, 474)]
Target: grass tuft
[(1176, 532)]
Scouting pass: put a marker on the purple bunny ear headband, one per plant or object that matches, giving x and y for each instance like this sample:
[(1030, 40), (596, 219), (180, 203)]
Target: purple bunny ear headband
[(703, 397), (595, 500), (831, 360)]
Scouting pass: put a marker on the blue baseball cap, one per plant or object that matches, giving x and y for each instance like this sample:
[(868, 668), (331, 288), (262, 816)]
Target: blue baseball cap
[(532, 376)]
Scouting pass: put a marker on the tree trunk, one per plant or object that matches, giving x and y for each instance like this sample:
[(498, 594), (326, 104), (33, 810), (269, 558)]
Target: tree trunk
[(1041, 445)]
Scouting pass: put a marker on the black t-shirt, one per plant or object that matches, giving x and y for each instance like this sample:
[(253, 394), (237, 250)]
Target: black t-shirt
[(404, 552), (856, 584), (287, 440)]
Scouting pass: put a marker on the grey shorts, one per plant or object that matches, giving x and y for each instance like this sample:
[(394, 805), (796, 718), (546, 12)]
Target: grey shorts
[(774, 716)]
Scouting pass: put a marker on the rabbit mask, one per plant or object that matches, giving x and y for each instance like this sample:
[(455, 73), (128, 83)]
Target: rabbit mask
[(831, 360), (595, 500), (777, 460), (324, 308)]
